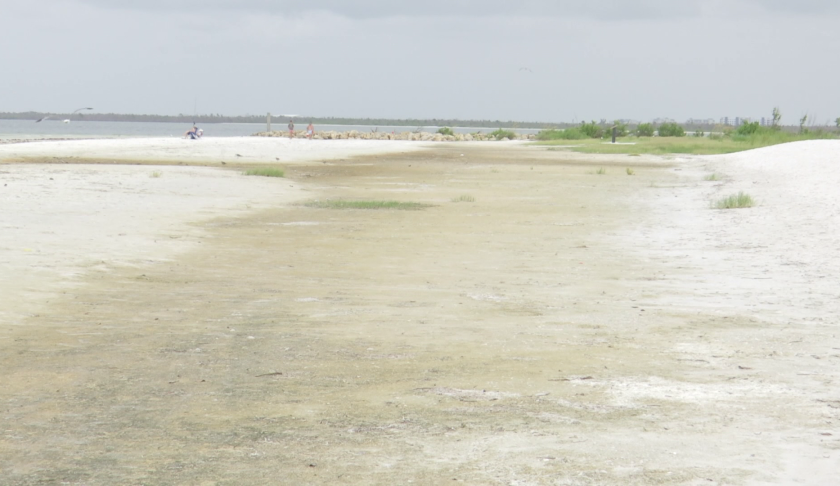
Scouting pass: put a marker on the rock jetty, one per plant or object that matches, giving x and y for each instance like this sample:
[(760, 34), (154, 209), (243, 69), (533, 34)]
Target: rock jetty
[(416, 136)]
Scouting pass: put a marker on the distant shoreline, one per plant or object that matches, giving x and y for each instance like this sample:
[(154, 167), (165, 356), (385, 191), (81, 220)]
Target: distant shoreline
[(279, 121), (216, 118)]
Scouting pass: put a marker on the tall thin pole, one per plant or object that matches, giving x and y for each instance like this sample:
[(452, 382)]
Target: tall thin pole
[(268, 122)]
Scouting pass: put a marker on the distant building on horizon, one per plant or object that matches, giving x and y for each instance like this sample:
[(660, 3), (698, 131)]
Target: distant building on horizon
[(659, 121), (737, 121), (700, 121), (628, 121)]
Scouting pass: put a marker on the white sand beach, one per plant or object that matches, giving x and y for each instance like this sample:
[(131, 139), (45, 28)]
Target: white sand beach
[(205, 150), (60, 222), (537, 323), (63, 223)]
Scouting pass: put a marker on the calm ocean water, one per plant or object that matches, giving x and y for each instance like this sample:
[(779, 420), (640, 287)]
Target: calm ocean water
[(96, 129)]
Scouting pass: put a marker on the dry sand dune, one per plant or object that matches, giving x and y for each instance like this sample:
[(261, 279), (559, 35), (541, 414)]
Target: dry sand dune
[(564, 327)]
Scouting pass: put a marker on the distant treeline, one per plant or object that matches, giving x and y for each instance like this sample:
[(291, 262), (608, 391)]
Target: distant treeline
[(217, 118), (407, 122)]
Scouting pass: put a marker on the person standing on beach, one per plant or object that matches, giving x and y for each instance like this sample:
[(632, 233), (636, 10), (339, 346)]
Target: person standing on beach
[(310, 130), (291, 129)]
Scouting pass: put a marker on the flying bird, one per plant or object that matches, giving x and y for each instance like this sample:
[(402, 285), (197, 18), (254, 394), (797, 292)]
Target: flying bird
[(526, 69), (77, 111), (39, 120)]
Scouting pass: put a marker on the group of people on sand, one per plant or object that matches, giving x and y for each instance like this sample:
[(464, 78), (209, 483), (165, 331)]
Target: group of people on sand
[(195, 133), (310, 130)]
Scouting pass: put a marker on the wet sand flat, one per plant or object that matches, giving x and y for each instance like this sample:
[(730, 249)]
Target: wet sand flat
[(538, 323)]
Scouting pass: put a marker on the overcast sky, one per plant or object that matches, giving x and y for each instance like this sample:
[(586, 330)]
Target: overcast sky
[(637, 59)]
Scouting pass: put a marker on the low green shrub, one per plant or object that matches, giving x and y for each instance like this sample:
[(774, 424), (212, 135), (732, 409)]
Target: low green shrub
[(748, 128), (567, 134), (645, 130), (446, 131), (500, 134), (671, 129), (592, 129)]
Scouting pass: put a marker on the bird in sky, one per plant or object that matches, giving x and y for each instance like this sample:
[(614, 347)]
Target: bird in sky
[(39, 120), (525, 69)]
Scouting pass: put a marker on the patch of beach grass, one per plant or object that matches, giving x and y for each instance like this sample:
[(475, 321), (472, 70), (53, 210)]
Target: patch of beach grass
[(735, 201), (463, 199), (265, 172), (344, 204), (630, 171), (716, 144), (601, 171), (712, 177), (156, 174)]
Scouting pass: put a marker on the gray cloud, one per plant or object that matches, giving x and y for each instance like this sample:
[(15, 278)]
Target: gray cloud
[(723, 58), (608, 9), (601, 9), (801, 6)]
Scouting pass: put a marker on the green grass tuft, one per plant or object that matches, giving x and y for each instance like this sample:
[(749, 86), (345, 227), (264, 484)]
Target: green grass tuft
[(630, 171), (712, 177), (266, 172), (342, 204), (601, 171), (501, 134), (463, 199), (735, 201), (155, 174)]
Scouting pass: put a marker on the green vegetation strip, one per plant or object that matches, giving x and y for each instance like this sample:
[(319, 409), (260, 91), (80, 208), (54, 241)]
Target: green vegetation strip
[(735, 201), (671, 138), (265, 172), (689, 145), (342, 204)]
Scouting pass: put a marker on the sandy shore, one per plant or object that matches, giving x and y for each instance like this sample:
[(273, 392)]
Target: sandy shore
[(59, 223), (538, 323), (205, 151), (62, 224)]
